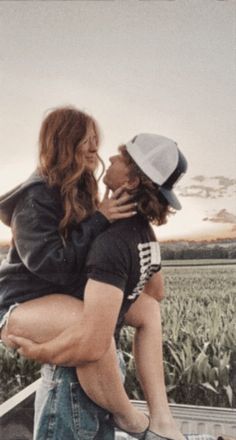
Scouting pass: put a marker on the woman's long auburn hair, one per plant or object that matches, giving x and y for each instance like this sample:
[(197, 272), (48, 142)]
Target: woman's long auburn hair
[(61, 163), (151, 203)]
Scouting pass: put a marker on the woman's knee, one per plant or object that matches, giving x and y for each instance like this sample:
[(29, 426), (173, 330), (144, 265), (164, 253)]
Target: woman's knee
[(144, 311)]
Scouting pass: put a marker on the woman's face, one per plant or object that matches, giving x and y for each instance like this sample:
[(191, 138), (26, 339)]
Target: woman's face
[(89, 148)]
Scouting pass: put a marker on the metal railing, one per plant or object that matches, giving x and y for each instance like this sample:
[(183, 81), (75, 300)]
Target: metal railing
[(17, 417)]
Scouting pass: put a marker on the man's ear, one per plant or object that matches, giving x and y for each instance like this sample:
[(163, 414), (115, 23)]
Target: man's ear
[(133, 183)]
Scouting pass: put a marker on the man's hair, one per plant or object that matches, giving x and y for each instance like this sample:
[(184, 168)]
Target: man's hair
[(61, 162), (151, 203)]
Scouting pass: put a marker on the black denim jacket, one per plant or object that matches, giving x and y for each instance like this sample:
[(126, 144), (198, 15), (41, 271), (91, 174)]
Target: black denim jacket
[(40, 261)]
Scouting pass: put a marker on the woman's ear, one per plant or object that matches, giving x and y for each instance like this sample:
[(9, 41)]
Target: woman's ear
[(133, 183)]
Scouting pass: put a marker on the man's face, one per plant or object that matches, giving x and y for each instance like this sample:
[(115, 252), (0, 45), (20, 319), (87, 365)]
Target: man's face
[(118, 172)]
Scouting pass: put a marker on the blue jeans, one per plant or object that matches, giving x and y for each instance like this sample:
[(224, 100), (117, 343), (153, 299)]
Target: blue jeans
[(64, 412)]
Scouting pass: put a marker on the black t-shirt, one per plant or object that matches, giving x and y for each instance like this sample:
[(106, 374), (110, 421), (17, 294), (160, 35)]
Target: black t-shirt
[(126, 255)]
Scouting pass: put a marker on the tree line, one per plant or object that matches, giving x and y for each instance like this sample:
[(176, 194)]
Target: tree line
[(189, 251)]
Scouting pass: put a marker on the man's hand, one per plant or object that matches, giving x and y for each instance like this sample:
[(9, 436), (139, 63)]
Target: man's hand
[(59, 351), (28, 348)]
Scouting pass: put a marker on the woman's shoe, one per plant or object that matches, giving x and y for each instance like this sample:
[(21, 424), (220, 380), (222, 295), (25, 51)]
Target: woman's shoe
[(226, 437), (137, 435), (153, 436), (199, 437)]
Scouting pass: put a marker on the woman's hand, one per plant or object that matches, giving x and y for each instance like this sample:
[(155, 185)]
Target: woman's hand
[(117, 207)]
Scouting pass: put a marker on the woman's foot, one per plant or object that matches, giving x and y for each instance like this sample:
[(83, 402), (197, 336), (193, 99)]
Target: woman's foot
[(168, 429), (136, 423), (152, 436)]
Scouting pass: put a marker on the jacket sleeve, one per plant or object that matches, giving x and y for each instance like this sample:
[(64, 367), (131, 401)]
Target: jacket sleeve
[(39, 245)]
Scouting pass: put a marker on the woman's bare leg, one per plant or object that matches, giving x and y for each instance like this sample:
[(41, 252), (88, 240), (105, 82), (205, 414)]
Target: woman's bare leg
[(145, 316), (43, 319), (102, 382)]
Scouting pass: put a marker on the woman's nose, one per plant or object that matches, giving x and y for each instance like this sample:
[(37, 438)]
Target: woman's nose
[(93, 145)]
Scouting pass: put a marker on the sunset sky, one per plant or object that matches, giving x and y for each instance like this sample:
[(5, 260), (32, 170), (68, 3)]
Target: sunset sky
[(166, 67)]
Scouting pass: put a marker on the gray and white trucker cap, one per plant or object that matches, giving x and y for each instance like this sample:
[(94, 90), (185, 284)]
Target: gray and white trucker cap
[(161, 160)]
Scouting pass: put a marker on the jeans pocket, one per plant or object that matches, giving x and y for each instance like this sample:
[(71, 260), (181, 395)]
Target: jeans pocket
[(84, 413)]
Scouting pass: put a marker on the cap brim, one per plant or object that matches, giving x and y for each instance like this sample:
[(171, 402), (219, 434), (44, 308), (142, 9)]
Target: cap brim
[(171, 198)]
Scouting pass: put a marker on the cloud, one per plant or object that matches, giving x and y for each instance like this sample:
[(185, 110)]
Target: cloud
[(209, 187), (225, 181), (222, 216)]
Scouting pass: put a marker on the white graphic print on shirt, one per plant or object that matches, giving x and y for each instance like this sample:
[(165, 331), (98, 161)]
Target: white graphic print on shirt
[(149, 260)]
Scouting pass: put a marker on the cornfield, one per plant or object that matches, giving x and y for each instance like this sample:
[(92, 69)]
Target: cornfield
[(198, 318), (199, 333)]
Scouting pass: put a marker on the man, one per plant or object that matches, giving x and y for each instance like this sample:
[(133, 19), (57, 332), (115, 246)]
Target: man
[(123, 261)]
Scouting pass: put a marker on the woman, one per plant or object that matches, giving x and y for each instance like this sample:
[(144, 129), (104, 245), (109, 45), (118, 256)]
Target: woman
[(54, 216)]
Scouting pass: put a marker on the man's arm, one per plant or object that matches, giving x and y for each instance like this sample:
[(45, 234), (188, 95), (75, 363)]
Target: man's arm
[(86, 341)]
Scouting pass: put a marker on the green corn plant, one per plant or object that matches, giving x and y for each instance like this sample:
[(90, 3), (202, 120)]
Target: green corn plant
[(16, 373)]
